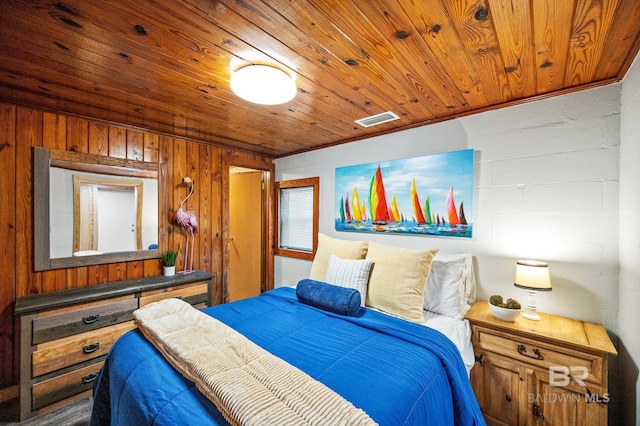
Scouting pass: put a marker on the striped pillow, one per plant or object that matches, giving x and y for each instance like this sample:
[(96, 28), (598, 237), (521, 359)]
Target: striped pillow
[(349, 273)]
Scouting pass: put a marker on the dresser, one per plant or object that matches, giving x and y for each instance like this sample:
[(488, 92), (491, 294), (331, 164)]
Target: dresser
[(66, 335), (547, 372)]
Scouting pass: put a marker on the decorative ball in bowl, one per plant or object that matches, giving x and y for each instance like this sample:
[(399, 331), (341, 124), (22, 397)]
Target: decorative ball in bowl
[(505, 311)]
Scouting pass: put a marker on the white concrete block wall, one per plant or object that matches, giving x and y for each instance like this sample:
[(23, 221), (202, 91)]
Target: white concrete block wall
[(546, 187), (629, 313)]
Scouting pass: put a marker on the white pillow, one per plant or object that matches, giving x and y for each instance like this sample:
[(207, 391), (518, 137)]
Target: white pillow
[(451, 286), (349, 273)]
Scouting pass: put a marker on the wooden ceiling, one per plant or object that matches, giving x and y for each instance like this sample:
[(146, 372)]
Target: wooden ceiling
[(165, 65)]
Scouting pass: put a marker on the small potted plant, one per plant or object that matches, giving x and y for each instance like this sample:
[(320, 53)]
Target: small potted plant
[(169, 262), (506, 311)]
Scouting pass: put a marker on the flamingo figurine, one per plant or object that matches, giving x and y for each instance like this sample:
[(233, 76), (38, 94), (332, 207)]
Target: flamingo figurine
[(187, 219)]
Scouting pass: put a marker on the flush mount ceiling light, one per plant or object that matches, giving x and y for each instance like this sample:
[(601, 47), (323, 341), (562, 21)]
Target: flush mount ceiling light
[(263, 84)]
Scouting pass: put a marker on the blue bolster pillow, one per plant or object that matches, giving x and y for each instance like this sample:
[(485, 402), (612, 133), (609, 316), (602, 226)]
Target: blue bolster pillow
[(332, 298)]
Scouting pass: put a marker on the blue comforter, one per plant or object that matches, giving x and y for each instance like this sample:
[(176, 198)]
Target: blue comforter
[(398, 372)]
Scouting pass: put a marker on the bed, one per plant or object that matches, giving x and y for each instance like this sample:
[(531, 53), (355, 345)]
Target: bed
[(398, 371)]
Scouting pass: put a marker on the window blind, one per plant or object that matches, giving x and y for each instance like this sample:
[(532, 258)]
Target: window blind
[(296, 218)]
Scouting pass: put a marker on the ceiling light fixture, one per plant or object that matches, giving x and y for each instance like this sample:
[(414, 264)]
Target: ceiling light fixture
[(263, 84)]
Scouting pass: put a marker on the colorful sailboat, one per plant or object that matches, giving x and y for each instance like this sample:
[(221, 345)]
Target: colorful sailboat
[(371, 215), (355, 203), (363, 211), (342, 216), (390, 213), (347, 209), (378, 200), (451, 209), (415, 202), (394, 209), (427, 211), (463, 220)]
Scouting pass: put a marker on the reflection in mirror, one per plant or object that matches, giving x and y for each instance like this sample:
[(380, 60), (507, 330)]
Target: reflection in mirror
[(94, 214), (106, 215), (91, 209)]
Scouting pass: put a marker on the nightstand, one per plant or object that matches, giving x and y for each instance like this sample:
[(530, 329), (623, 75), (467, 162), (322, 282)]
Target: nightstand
[(552, 371)]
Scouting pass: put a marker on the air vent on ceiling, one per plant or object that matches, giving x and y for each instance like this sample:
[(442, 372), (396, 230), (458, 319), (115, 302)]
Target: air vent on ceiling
[(377, 119)]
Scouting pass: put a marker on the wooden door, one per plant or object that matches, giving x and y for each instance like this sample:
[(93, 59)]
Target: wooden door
[(571, 404), (117, 220), (499, 392), (245, 233)]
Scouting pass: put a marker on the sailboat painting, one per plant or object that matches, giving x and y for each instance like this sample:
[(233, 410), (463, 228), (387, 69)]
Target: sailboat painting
[(428, 195)]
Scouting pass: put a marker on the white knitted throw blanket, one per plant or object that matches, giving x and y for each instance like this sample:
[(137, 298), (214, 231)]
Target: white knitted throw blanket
[(249, 385)]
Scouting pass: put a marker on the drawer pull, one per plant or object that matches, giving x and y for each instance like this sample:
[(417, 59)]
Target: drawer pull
[(535, 412), (523, 351), (91, 348), (89, 378), (507, 398), (90, 319), (479, 359)]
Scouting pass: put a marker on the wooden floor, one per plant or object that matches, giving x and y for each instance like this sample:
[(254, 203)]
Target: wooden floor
[(75, 414)]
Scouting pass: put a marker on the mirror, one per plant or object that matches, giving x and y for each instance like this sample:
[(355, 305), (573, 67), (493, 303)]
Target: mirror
[(91, 210)]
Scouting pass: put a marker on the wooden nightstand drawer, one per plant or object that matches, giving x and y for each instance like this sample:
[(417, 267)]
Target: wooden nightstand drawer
[(57, 354), (538, 354), (195, 294), (62, 323), (64, 386)]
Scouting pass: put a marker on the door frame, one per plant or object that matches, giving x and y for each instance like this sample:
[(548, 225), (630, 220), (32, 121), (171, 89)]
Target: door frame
[(260, 163)]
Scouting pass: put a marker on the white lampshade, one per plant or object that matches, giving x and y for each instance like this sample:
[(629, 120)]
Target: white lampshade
[(532, 275), (263, 84)]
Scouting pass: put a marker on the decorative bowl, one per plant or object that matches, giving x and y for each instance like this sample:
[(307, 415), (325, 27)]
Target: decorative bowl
[(505, 314)]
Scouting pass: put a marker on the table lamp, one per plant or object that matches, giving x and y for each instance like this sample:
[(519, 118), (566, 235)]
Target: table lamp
[(532, 276)]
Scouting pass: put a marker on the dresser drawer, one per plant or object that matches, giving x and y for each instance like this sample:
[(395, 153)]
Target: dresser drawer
[(57, 354), (62, 323), (195, 294), (538, 354), (64, 386)]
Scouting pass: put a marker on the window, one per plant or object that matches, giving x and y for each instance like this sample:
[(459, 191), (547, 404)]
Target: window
[(297, 204)]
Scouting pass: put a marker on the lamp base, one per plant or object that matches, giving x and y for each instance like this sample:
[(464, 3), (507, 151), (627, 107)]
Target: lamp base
[(531, 313)]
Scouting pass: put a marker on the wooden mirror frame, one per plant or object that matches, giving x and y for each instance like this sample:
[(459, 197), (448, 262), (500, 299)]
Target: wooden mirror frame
[(43, 159)]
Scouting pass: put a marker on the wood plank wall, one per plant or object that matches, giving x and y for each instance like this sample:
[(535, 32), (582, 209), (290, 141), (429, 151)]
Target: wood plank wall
[(22, 128)]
